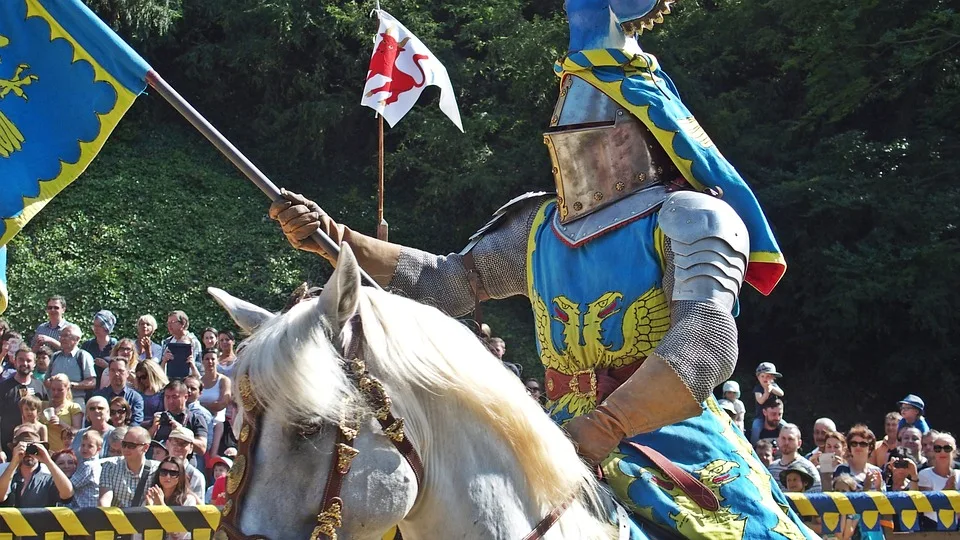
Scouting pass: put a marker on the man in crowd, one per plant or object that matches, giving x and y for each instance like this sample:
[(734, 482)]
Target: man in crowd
[(119, 372), (86, 479), (176, 415), (180, 444), (820, 429), (73, 362), (123, 482), (12, 390), (48, 333), (194, 387), (789, 442), (23, 483), (772, 411), (178, 325)]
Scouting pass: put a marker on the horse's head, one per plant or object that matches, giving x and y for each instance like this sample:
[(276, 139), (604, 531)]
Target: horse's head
[(294, 393)]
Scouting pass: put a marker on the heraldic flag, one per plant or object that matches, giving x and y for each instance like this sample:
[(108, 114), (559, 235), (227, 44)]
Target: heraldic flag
[(400, 68), (65, 81)]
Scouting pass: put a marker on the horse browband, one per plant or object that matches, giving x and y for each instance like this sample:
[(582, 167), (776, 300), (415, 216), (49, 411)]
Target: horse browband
[(330, 517)]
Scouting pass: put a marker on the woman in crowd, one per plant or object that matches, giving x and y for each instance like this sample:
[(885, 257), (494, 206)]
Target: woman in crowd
[(126, 349), (902, 470), (890, 423), (228, 357), (98, 414), (67, 461), (912, 439), (860, 443), (120, 412), (833, 455), (170, 486), (102, 343), (66, 413), (150, 381), (941, 475), (216, 391), (146, 348), (208, 338)]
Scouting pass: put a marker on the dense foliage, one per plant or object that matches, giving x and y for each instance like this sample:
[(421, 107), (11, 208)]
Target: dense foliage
[(843, 116)]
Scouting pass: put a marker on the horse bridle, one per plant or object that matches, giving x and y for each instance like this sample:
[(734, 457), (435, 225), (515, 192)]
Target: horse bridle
[(330, 516)]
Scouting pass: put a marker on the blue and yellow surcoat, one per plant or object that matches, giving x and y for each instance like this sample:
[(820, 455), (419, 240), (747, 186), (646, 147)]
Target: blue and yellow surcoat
[(600, 306)]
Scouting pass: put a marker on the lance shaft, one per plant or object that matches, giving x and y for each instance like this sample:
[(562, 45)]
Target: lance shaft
[(238, 159)]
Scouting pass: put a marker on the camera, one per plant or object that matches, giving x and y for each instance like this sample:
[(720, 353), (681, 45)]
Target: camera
[(32, 450), (165, 419)]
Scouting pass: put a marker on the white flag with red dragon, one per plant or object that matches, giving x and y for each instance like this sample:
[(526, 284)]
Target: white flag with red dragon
[(400, 68)]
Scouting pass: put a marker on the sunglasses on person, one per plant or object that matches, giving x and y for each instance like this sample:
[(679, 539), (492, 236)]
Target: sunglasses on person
[(118, 411), (53, 308), (945, 448), (141, 376), (861, 444), (131, 445), (168, 472)]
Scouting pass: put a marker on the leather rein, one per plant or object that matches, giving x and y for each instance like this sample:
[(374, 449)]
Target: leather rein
[(330, 516)]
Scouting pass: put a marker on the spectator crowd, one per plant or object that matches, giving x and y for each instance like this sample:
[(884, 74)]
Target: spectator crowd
[(115, 422), (127, 422), (908, 456)]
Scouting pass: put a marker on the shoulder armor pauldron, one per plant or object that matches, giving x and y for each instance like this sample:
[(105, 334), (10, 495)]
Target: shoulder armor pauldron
[(501, 213), (710, 244)]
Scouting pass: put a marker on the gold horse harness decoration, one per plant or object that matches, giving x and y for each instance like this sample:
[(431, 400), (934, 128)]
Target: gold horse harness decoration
[(330, 516)]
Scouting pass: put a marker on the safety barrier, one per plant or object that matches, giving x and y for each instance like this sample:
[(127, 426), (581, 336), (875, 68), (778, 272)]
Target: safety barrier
[(106, 523), (905, 507)]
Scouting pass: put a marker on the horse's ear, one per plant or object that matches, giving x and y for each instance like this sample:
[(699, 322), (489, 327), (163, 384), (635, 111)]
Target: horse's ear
[(341, 294), (247, 316)]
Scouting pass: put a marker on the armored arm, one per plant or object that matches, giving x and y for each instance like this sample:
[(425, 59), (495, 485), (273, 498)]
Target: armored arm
[(706, 259), (493, 265)]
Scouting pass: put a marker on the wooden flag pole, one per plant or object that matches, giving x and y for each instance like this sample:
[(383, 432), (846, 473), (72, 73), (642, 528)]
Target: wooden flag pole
[(237, 158), (383, 229)]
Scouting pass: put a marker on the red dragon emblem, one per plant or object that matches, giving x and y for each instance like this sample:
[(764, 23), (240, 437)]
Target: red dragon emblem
[(384, 62)]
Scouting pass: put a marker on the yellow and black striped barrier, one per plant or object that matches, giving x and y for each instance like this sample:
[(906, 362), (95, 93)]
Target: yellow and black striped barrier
[(106, 523), (905, 506)]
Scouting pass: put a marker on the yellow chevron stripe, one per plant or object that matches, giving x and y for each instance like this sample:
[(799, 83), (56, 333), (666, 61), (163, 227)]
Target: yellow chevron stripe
[(153, 534), (212, 514), (920, 501), (882, 503), (16, 522), (954, 498), (104, 535), (803, 505), (54, 536), (69, 521), (843, 504), (167, 519), (119, 521), (203, 534)]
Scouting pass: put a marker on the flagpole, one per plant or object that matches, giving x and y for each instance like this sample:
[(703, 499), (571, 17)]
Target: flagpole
[(382, 227), (237, 158)]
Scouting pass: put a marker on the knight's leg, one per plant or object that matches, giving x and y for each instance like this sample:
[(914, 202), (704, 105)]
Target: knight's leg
[(708, 447)]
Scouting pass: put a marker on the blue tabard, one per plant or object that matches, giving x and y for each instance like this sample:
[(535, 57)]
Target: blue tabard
[(599, 306)]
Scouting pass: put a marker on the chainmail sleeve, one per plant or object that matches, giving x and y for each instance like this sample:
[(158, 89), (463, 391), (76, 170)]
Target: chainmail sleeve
[(500, 259), (701, 345)]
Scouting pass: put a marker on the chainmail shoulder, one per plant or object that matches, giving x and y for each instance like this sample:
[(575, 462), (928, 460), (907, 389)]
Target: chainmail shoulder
[(701, 345), (500, 258)]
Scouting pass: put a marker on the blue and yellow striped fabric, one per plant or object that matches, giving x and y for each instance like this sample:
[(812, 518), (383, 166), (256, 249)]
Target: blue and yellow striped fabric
[(65, 81), (906, 506)]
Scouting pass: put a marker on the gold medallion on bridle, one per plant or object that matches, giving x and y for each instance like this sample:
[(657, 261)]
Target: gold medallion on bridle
[(244, 433), (236, 474), (227, 508), (247, 397)]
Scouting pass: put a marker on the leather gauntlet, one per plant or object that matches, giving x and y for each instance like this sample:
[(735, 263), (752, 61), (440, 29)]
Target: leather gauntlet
[(653, 397), (300, 217)]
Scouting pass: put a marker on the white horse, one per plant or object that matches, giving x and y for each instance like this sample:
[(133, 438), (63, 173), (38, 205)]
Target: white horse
[(494, 463)]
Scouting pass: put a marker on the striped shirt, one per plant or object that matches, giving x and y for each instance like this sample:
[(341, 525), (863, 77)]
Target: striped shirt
[(86, 483), (119, 479), (49, 330)]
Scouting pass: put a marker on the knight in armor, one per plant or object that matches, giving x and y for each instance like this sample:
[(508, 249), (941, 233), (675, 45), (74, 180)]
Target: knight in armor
[(656, 232)]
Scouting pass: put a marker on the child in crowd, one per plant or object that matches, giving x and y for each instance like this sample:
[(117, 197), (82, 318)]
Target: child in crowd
[(764, 451), (30, 415), (91, 445), (66, 437), (44, 354), (216, 494), (766, 378), (731, 393), (911, 408)]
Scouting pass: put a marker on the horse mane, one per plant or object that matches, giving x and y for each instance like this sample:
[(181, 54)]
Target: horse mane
[(296, 372)]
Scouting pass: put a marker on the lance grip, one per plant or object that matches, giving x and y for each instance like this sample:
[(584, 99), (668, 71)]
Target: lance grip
[(238, 159)]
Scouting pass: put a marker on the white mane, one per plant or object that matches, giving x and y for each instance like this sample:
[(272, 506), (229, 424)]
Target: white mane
[(413, 349)]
